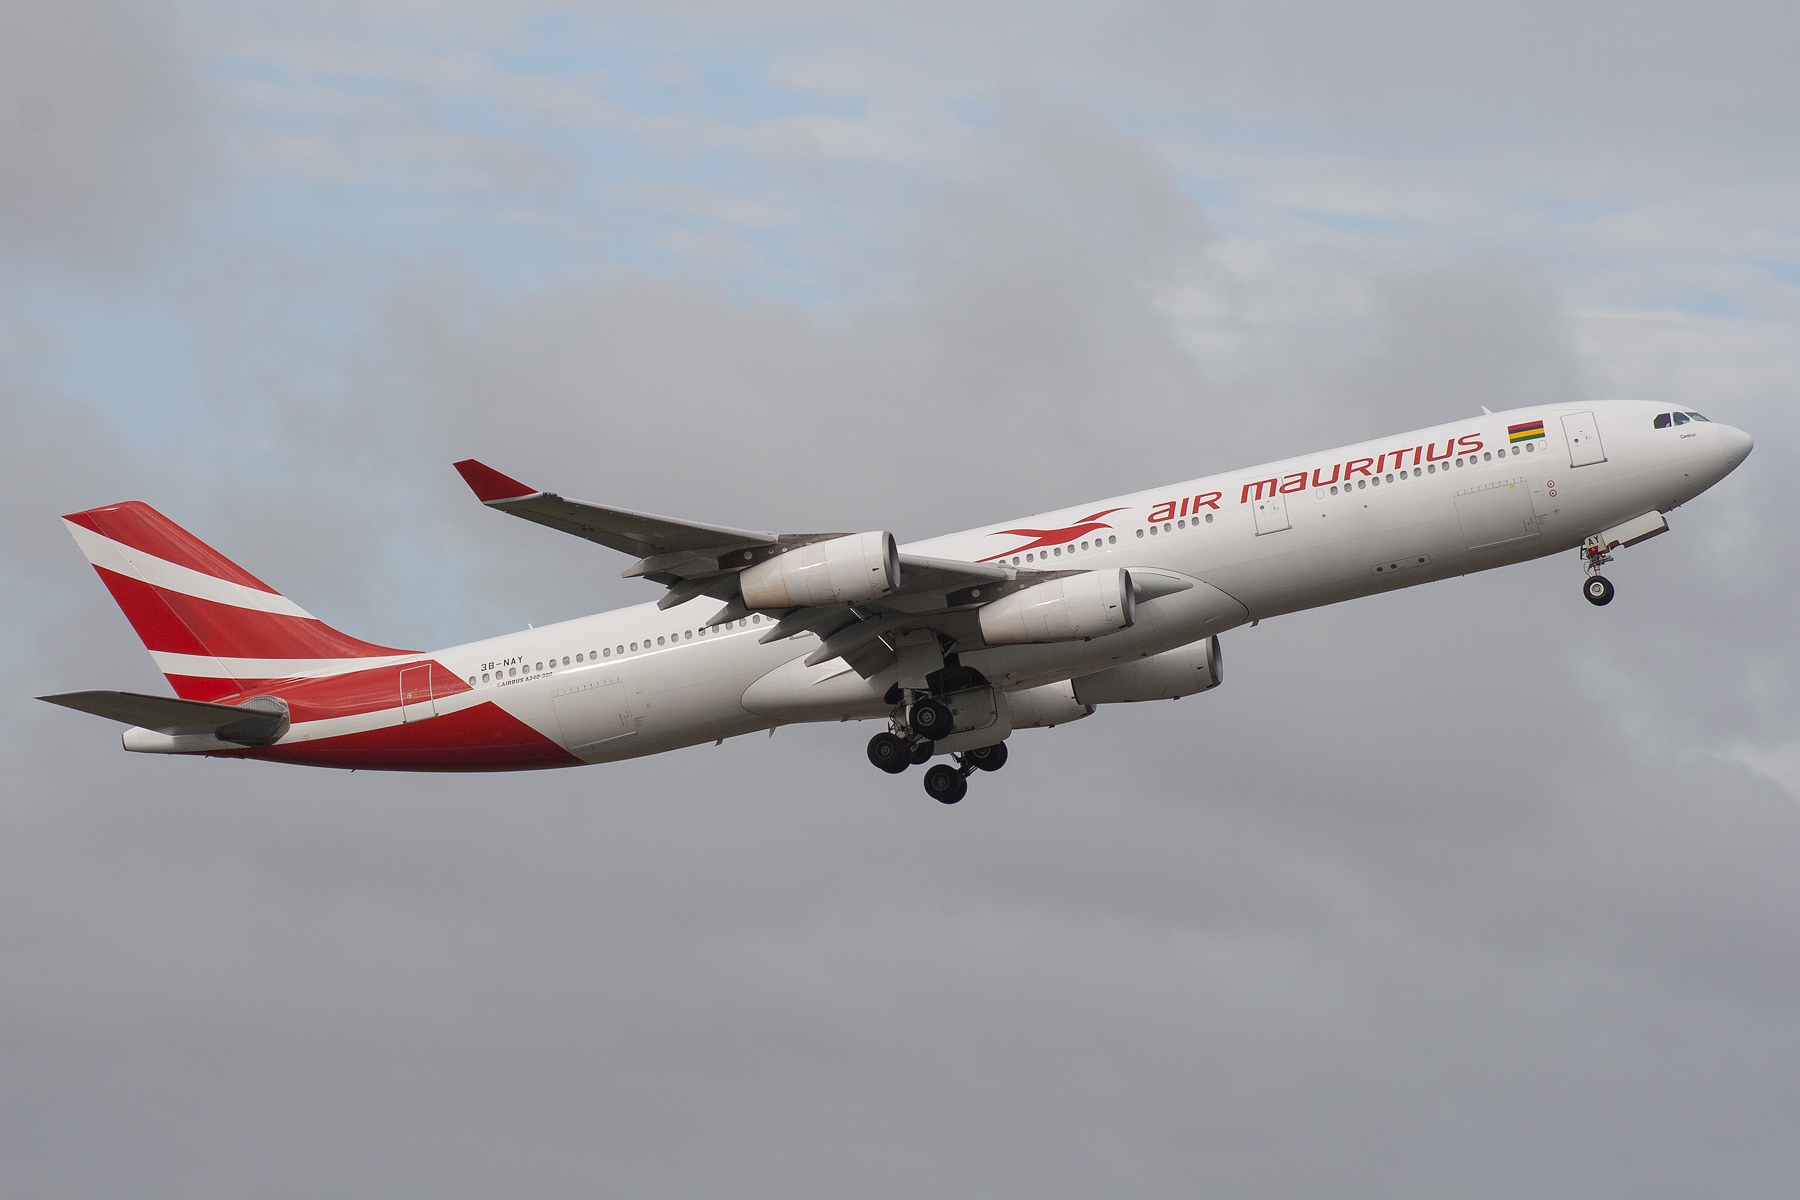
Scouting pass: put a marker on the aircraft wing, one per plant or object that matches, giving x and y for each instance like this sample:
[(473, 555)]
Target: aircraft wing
[(636, 533), (693, 559)]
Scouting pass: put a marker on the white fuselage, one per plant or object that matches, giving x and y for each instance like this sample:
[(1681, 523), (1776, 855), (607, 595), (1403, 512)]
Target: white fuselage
[(1411, 509)]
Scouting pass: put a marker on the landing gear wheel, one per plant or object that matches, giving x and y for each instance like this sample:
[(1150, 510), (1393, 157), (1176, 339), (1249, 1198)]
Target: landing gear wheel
[(921, 753), (945, 784), (930, 719), (890, 753), (1598, 590), (988, 758)]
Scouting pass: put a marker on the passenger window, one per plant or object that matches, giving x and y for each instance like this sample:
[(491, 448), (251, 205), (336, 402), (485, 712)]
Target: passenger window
[(1209, 518), (1153, 531), (1431, 469), (1681, 418), (1487, 458), (484, 677), (634, 646), (565, 660), (1111, 539), (1140, 533), (1390, 477), (1362, 483), (512, 670), (471, 680), (1662, 421), (688, 634), (1059, 552)]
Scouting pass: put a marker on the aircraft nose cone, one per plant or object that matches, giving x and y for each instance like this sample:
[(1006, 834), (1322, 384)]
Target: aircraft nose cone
[(1735, 444)]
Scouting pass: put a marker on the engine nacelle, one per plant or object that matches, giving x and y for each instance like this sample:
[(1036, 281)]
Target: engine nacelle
[(1087, 605), (1170, 675), (1042, 707), (846, 570)]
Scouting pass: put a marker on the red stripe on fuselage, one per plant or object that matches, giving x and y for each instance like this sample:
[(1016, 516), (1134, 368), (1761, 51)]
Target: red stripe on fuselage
[(482, 738), (349, 694), (319, 699), (141, 527)]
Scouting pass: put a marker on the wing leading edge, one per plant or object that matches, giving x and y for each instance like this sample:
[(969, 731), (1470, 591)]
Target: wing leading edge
[(693, 559)]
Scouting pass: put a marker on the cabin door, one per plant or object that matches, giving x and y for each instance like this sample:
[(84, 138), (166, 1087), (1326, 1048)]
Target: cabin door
[(416, 703), (1272, 515), (1584, 439)]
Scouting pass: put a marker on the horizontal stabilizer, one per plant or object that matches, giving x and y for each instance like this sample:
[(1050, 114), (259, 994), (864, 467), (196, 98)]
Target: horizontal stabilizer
[(249, 726)]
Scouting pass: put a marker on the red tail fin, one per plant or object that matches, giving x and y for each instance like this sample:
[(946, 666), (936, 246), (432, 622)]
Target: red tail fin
[(214, 629)]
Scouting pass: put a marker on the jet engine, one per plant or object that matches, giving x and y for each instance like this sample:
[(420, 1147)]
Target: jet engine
[(1087, 605), (1045, 707), (845, 570), (1197, 667)]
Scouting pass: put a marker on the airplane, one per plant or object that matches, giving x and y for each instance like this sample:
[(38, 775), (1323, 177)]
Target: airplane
[(956, 642)]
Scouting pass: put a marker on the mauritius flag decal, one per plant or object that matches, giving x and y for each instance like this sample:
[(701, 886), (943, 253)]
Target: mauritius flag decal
[(1525, 432)]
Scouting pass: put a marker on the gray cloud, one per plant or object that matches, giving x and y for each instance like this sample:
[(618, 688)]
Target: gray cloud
[(101, 134), (1448, 892)]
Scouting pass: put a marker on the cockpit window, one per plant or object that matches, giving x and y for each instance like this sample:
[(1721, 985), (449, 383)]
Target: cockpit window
[(1698, 417), (1662, 420), (1681, 418)]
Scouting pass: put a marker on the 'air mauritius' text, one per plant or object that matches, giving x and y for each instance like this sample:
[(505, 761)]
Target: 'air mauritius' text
[(1299, 481)]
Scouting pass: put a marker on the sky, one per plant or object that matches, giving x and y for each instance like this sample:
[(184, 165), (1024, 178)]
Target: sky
[(1472, 890)]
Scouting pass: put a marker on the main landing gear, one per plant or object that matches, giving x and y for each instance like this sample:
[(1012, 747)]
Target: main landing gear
[(1598, 588), (904, 746)]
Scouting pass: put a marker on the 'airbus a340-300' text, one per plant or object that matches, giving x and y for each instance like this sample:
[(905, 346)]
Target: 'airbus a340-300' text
[(955, 642)]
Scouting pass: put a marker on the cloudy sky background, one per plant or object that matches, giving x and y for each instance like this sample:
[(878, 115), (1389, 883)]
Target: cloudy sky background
[(1472, 890)]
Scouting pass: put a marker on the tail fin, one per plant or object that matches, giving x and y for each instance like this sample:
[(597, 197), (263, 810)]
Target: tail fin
[(214, 629)]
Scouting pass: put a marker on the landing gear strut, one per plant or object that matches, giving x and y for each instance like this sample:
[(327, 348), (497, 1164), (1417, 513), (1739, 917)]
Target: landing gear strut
[(912, 738), (1598, 589)]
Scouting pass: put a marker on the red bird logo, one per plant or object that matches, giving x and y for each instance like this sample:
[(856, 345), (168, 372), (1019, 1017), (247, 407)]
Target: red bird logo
[(1053, 537)]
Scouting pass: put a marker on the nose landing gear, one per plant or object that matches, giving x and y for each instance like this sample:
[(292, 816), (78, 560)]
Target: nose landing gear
[(1598, 589)]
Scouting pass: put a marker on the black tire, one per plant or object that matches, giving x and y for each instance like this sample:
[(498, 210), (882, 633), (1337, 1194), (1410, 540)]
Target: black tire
[(988, 758), (890, 753), (1598, 590), (922, 752), (930, 719), (945, 784)]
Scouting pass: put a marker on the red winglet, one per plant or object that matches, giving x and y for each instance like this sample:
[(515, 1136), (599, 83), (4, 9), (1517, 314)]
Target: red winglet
[(489, 484)]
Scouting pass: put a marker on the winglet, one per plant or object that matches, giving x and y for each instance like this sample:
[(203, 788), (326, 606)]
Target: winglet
[(490, 485)]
